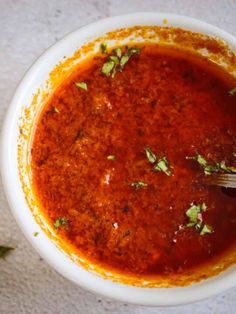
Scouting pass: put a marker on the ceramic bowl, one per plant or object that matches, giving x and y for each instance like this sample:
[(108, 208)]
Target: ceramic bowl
[(12, 178)]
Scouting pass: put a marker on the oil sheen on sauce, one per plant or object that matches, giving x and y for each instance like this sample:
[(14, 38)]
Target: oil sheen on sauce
[(173, 102)]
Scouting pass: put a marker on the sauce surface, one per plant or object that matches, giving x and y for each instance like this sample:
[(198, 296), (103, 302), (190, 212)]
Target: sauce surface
[(175, 103)]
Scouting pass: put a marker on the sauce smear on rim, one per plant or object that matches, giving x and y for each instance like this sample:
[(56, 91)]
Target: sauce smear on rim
[(111, 167)]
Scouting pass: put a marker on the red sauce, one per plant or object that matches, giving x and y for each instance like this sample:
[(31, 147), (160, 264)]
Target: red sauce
[(175, 103)]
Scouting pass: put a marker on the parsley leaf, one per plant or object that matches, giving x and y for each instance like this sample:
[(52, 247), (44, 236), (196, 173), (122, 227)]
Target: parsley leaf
[(82, 85), (138, 185), (118, 52), (133, 51), (201, 160), (225, 168), (151, 157), (194, 214), (213, 167), (125, 58), (116, 61), (60, 222), (123, 61), (163, 165), (36, 233), (205, 229), (103, 48), (4, 250), (232, 92), (108, 67)]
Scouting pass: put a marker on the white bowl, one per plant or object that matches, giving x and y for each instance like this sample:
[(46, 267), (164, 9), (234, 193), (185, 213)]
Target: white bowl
[(37, 74)]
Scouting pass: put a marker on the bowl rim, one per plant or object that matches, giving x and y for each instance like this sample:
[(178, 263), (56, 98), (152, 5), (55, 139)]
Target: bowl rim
[(24, 218)]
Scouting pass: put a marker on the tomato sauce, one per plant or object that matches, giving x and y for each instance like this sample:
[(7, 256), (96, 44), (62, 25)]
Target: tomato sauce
[(177, 104)]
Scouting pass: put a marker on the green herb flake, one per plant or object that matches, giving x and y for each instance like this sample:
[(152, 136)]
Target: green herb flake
[(139, 185), (124, 59), (163, 165), (111, 157), (194, 214), (190, 224), (133, 51), (116, 61), (36, 234), (151, 157), (103, 48), (118, 52), (232, 92), (205, 229), (61, 221), (108, 67), (210, 168), (82, 85), (199, 158), (225, 168), (4, 250)]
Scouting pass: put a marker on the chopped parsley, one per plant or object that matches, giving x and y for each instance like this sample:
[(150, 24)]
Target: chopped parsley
[(151, 157), (133, 51), (194, 214), (232, 92), (163, 165), (108, 68), (204, 229), (36, 233), (4, 250), (228, 169), (123, 61), (116, 61), (61, 221), (201, 160), (111, 157), (118, 52), (103, 48), (139, 185), (82, 85), (210, 168), (125, 58)]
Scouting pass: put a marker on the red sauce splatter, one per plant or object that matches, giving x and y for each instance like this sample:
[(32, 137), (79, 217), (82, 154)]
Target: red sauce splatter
[(175, 103)]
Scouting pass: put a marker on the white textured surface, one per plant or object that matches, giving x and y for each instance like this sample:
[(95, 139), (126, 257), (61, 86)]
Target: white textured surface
[(27, 28)]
